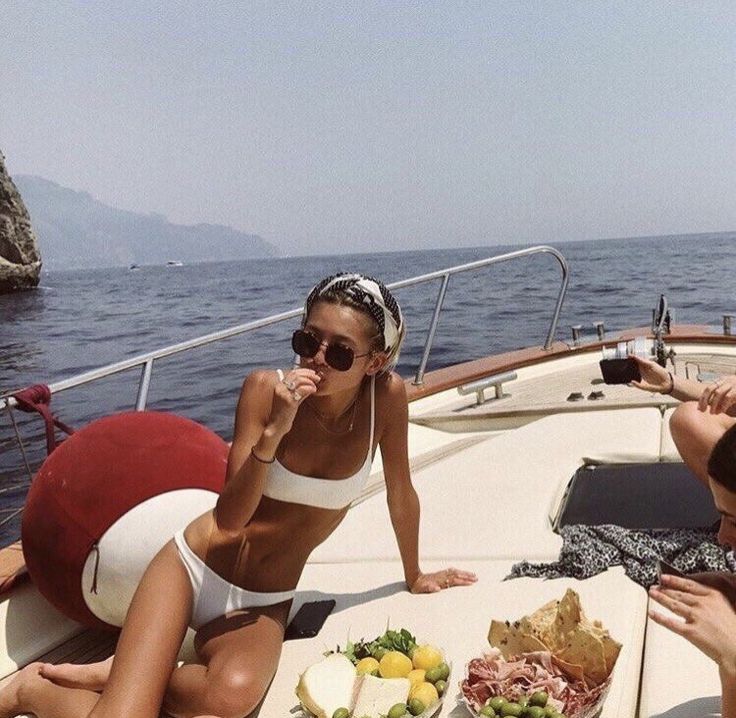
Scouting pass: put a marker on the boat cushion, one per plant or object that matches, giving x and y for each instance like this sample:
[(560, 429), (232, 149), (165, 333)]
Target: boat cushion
[(495, 499), (678, 681), (371, 596)]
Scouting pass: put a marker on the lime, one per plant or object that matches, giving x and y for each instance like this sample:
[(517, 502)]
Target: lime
[(488, 711), (416, 706), (398, 710), (341, 713), (539, 699), (511, 709), (441, 687)]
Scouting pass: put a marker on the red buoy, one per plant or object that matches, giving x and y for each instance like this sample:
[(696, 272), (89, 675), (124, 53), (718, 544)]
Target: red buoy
[(107, 499)]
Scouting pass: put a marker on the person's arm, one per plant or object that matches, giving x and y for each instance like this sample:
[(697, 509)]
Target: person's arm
[(655, 378), (403, 502), (266, 410), (709, 624), (716, 397)]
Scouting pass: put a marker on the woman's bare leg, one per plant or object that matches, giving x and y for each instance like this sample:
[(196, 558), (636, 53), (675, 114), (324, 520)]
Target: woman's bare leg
[(152, 634), (240, 654), (145, 656), (695, 433)]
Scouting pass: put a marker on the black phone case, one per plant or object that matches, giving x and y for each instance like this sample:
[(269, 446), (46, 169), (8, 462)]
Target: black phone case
[(309, 619), (619, 371)]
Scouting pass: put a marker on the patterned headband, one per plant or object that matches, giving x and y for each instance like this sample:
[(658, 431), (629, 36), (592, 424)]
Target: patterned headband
[(372, 294)]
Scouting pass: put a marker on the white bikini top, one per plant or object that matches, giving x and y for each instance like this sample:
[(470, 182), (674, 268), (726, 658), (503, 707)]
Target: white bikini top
[(285, 485)]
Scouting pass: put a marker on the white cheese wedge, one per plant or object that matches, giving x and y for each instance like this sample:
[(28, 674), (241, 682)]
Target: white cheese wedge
[(376, 695), (327, 685)]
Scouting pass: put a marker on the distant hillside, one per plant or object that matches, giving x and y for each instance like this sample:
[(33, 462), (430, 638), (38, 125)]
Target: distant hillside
[(74, 230)]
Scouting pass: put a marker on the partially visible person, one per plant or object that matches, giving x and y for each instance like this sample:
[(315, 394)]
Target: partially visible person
[(707, 411), (704, 609)]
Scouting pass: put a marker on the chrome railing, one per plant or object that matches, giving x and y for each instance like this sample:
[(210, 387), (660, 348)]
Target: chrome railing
[(145, 361)]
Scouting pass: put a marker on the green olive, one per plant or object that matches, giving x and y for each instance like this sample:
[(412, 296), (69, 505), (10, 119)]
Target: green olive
[(434, 674), (511, 709), (539, 698), (523, 701), (416, 706), (441, 687), (398, 710), (535, 712), (341, 713), (488, 712), (379, 653), (496, 702), (444, 671)]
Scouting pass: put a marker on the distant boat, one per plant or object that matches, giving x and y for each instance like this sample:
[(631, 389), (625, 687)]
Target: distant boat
[(134, 266), (174, 263)]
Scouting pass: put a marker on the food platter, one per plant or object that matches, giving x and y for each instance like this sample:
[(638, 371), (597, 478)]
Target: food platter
[(391, 676), (555, 652)]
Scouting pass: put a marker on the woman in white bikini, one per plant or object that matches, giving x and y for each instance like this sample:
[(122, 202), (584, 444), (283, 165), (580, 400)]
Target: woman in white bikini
[(232, 572)]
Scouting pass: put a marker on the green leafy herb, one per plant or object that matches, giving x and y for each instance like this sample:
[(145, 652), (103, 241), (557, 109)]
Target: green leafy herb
[(401, 640)]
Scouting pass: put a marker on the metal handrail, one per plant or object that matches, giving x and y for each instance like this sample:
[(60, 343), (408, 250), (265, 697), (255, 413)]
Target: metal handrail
[(146, 360)]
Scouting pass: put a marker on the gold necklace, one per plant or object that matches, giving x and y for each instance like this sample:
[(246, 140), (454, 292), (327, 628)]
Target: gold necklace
[(320, 417)]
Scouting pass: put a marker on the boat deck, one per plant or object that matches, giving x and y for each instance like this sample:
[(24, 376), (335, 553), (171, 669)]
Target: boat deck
[(575, 388)]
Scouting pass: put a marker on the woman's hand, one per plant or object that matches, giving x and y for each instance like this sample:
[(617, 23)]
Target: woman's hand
[(709, 618), (447, 578), (288, 393), (720, 396), (654, 378)]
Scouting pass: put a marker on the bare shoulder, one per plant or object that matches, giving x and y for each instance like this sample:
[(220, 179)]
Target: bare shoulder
[(391, 392), (259, 381)]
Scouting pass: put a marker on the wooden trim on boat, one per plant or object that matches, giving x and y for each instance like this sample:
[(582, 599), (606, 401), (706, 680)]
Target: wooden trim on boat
[(450, 377)]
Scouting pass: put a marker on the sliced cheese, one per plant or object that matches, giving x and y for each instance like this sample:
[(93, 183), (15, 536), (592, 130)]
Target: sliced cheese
[(375, 696), (327, 685)]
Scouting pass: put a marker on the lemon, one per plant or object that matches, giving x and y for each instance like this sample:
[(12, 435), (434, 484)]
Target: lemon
[(426, 657), (366, 665), (394, 665), (424, 692), (416, 676)]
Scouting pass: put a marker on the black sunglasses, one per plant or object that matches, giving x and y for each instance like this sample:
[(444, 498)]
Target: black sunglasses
[(338, 356)]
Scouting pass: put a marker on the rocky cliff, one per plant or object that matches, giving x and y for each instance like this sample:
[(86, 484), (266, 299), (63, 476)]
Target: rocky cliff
[(20, 260)]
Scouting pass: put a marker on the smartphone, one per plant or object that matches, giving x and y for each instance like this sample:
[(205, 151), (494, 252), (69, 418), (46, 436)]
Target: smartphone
[(665, 568), (619, 371), (309, 619)]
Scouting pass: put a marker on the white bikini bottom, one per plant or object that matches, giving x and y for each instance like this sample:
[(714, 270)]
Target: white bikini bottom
[(213, 596)]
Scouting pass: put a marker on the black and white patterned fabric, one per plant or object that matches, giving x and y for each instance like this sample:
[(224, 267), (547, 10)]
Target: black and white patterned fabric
[(590, 550), (370, 292)]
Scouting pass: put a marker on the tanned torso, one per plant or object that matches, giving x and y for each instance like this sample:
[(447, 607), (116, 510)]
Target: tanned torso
[(277, 541)]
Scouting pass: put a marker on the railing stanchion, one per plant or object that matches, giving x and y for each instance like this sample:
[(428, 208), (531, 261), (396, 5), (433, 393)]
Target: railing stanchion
[(143, 385), (419, 376)]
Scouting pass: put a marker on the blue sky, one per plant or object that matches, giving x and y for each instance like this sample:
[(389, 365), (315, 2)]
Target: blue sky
[(328, 127)]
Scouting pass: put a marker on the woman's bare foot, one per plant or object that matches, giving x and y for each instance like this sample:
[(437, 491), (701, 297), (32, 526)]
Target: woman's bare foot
[(9, 693), (90, 676)]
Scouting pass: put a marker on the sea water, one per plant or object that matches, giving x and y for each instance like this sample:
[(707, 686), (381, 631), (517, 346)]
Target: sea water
[(80, 320)]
